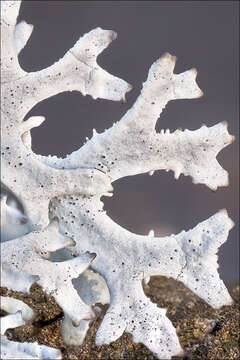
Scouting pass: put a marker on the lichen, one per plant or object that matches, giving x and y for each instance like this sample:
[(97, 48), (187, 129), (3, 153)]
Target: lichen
[(62, 197)]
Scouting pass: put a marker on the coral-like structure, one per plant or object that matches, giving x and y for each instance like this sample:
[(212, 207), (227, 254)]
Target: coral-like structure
[(61, 197)]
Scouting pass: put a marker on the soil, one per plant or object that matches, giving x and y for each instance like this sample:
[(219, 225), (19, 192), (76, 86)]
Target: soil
[(204, 333)]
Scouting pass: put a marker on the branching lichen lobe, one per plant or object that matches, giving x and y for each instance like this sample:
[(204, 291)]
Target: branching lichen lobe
[(70, 190)]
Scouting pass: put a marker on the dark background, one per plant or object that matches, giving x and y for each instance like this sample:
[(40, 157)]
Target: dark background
[(202, 34)]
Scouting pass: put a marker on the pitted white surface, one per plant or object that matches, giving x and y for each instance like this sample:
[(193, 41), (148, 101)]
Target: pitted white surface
[(70, 189)]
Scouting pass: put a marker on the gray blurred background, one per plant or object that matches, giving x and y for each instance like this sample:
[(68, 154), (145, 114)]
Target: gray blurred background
[(202, 34)]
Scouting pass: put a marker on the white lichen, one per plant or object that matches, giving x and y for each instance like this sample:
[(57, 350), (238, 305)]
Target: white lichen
[(12, 306), (70, 190), (21, 313), (15, 350)]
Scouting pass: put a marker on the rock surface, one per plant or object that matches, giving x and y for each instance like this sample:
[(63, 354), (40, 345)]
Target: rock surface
[(204, 333)]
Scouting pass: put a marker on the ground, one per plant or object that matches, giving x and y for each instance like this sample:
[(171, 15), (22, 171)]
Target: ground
[(204, 333)]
